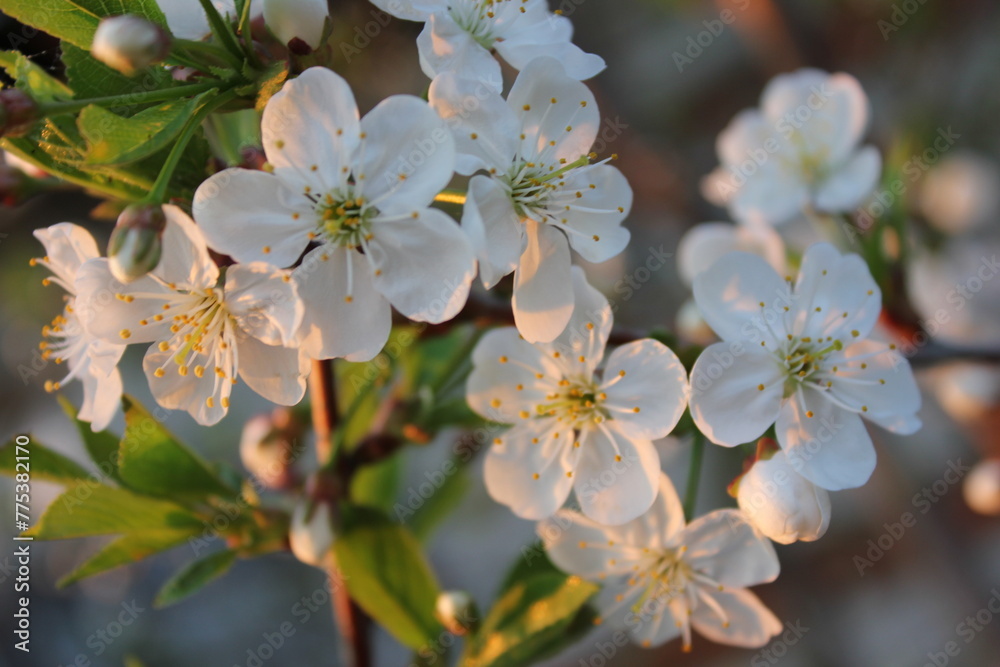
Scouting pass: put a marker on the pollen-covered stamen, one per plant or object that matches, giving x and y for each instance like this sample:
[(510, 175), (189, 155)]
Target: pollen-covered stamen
[(65, 343), (344, 220), (576, 401), (485, 19)]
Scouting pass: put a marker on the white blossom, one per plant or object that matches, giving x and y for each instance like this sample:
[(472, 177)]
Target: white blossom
[(356, 195), (576, 428), (310, 535), (302, 19), (207, 332), (660, 579), (540, 196), (460, 35), (798, 151), (91, 360), (799, 356)]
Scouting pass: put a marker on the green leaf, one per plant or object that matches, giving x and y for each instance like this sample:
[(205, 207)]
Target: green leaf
[(152, 461), (387, 574), (101, 445), (127, 549), (195, 576), (112, 139), (76, 20), (530, 621), (87, 509), (33, 79), (43, 463), (375, 485), (436, 508), (89, 77)]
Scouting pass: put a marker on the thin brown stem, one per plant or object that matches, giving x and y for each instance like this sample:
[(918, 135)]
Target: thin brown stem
[(351, 620)]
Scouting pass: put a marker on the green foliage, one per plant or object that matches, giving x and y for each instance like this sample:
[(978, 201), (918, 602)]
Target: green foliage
[(386, 573), (112, 139), (195, 576), (33, 79), (127, 549), (375, 485), (76, 20), (153, 462), (440, 504), (539, 612), (89, 77), (44, 463), (101, 445)]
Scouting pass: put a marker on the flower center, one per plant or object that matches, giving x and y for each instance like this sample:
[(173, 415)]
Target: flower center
[(578, 401), (803, 358), (478, 18), (537, 189), (344, 221)]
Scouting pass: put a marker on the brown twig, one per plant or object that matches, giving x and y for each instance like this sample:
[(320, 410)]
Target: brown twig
[(351, 620)]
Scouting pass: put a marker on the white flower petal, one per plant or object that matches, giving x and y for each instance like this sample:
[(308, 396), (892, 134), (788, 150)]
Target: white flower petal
[(850, 185), (67, 247), (303, 19), (549, 37), (873, 379), (578, 545), (831, 448), (730, 293), (484, 127), (188, 392), (189, 22), (503, 383), (445, 47), (407, 155), (749, 623), (105, 315), (617, 477), (410, 10), (264, 302), (829, 112), (252, 216), (571, 121), (333, 326), (543, 287), (580, 346), (276, 373), (590, 208), (773, 194), (704, 244), (723, 546), (185, 260), (511, 468), (312, 121), (743, 138), (102, 395), (648, 401), (424, 266), (494, 229), (842, 287), (726, 402)]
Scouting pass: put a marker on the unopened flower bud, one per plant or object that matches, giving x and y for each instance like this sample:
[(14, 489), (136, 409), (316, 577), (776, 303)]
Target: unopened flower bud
[(268, 447), (781, 503), (18, 112), (297, 19), (982, 487), (311, 533), (136, 242), (457, 612), (129, 43)]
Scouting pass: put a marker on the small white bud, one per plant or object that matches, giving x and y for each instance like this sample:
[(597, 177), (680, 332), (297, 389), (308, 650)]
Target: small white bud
[(311, 533), (982, 487), (129, 43), (136, 242), (457, 612), (302, 19), (781, 503), (268, 447)]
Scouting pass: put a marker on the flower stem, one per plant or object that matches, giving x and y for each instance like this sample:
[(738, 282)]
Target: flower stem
[(694, 474), (129, 99), (351, 621), (158, 192)]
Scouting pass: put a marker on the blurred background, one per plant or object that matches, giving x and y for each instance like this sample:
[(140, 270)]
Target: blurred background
[(867, 593)]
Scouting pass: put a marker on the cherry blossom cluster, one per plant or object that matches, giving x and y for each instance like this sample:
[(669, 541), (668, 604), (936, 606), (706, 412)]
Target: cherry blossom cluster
[(307, 258)]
